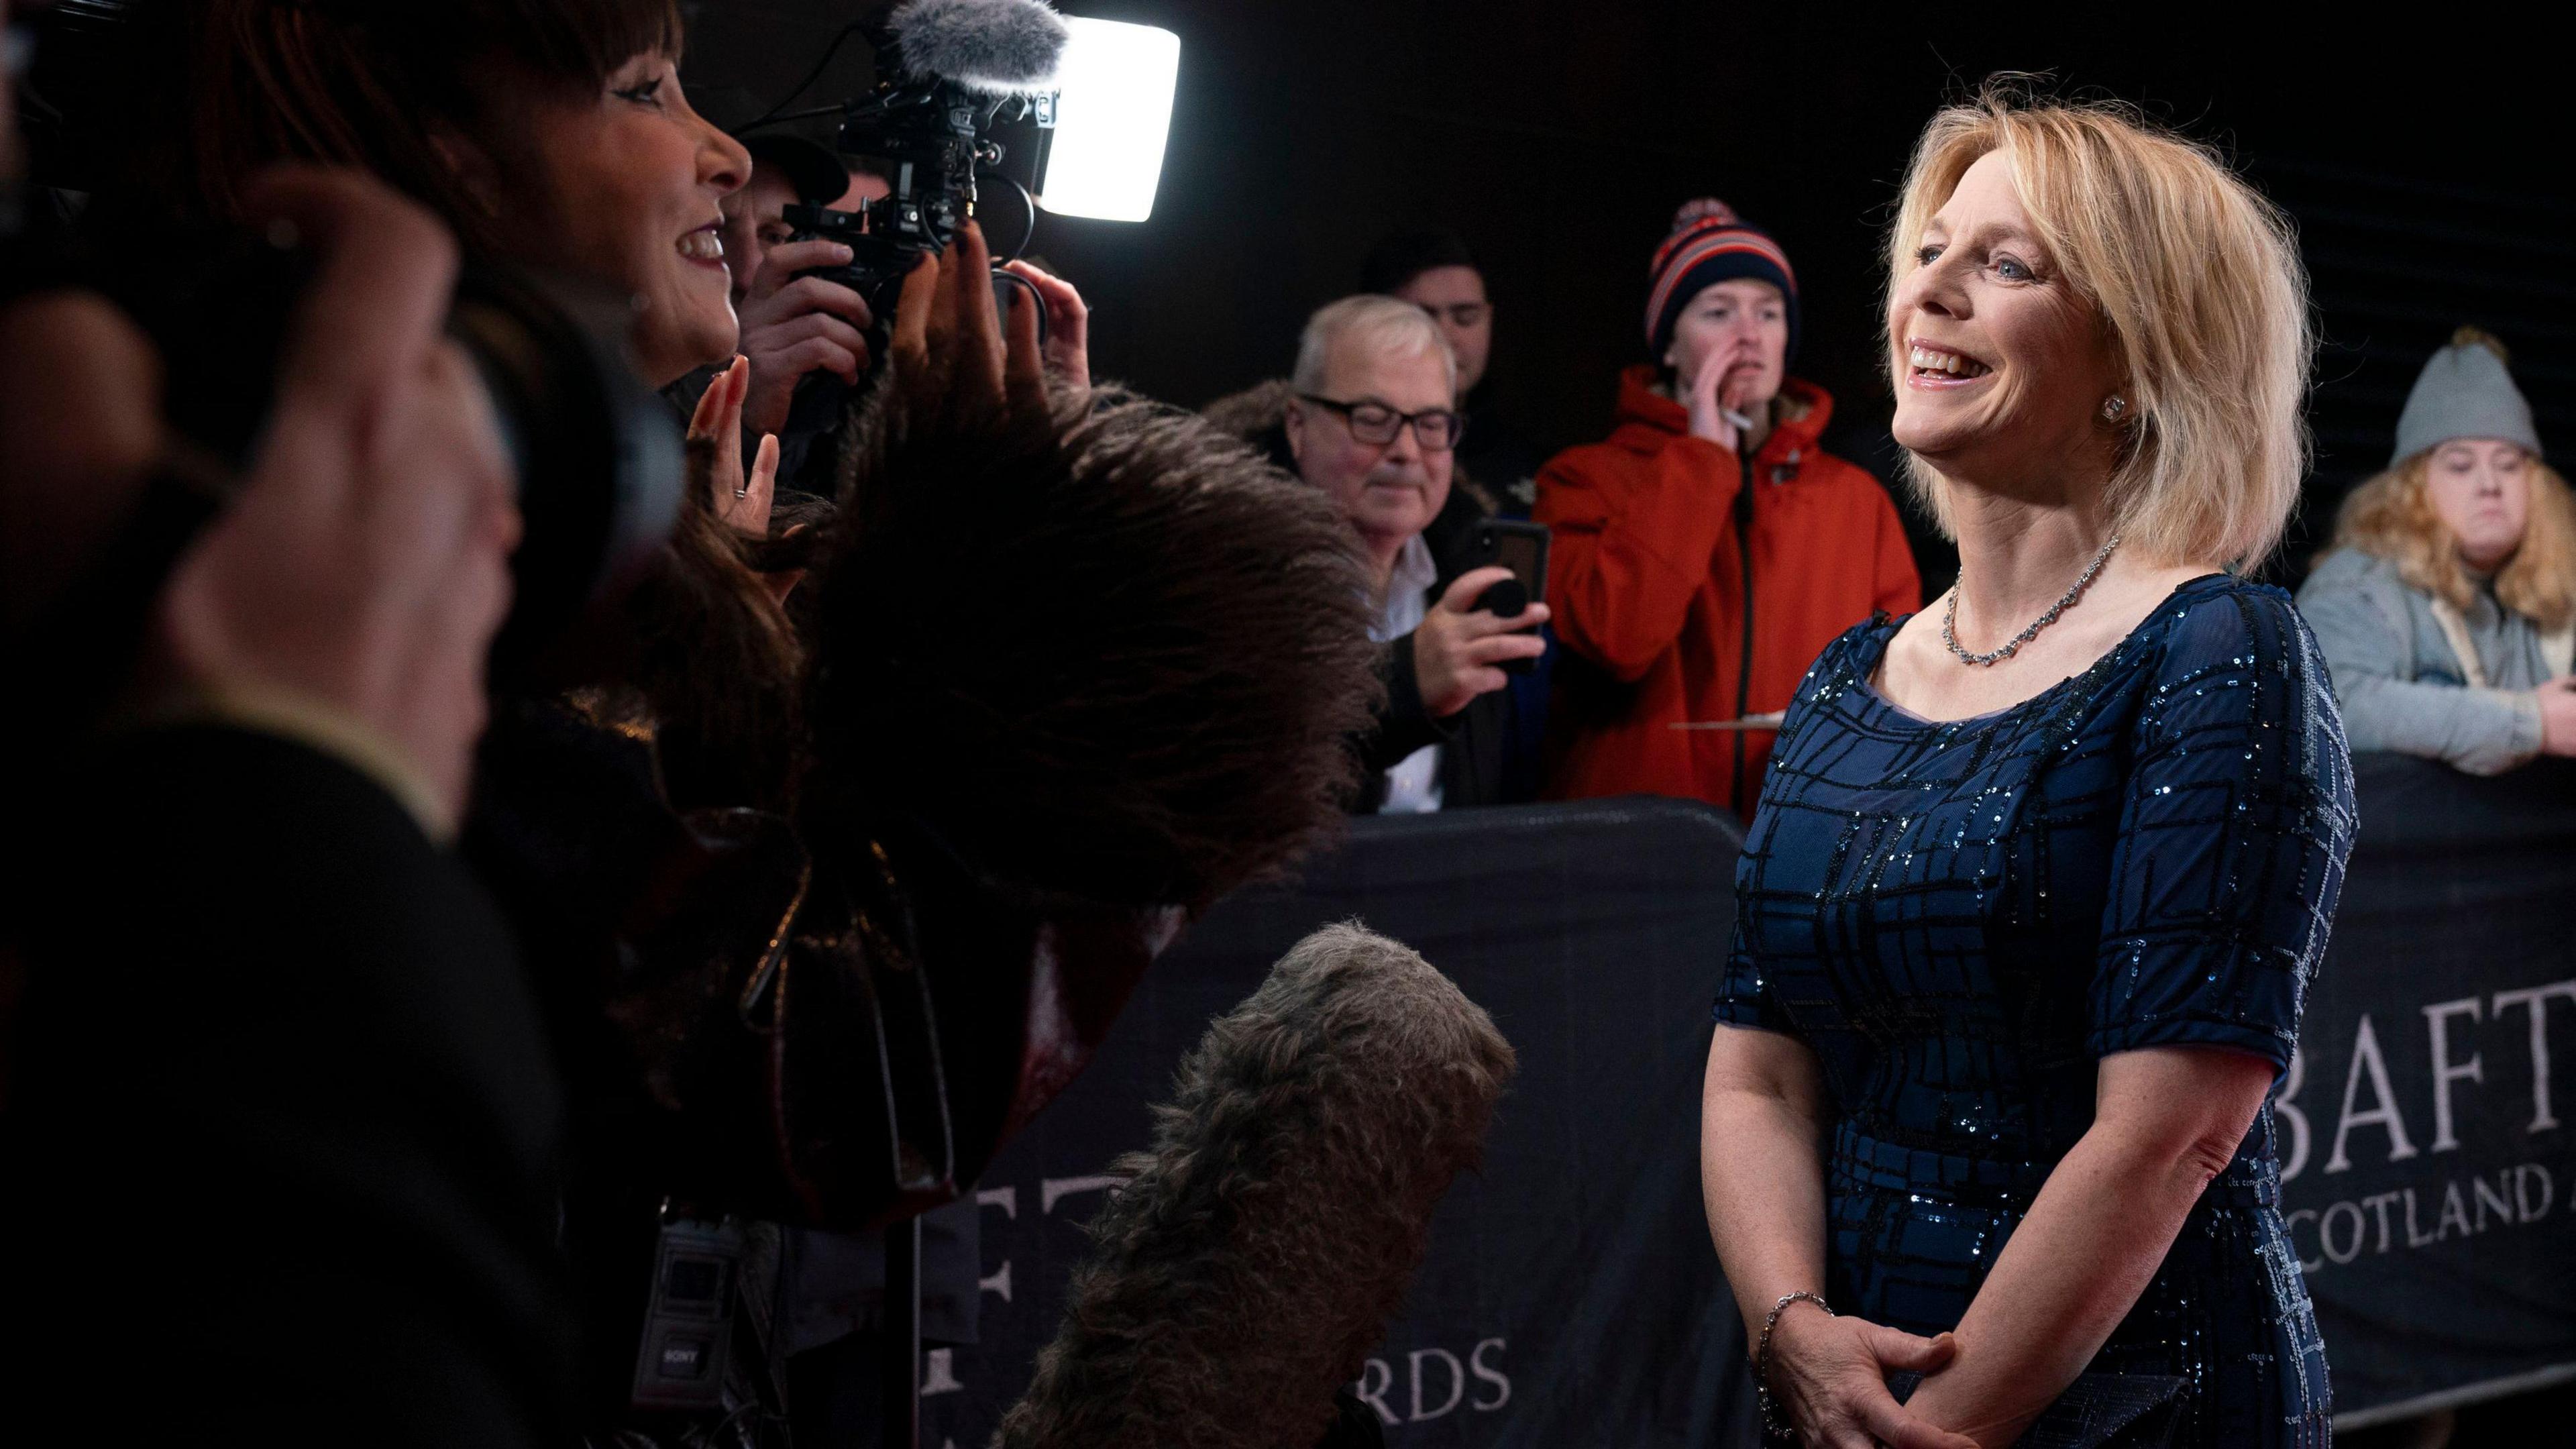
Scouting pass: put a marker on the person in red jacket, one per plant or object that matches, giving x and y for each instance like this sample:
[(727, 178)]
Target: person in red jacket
[(1708, 549)]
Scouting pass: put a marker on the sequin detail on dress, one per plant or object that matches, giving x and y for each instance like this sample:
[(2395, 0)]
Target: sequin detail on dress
[(1960, 918)]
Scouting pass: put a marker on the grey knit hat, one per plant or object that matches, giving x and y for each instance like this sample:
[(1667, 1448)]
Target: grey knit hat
[(2464, 392)]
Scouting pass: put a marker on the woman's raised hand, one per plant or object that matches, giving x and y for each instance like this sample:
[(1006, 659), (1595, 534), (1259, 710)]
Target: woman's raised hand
[(715, 455), (1829, 1376)]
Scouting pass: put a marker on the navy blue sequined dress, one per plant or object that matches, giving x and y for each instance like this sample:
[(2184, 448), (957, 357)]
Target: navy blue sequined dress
[(1961, 918)]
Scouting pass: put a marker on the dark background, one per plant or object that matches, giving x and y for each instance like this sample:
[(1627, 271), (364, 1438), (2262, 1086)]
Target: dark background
[(2429, 175)]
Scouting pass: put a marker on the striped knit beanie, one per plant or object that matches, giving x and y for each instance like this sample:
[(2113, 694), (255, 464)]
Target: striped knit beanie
[(1709, 244)]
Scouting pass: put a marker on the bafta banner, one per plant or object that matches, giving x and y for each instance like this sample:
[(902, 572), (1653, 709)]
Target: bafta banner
[(2428, 1156)]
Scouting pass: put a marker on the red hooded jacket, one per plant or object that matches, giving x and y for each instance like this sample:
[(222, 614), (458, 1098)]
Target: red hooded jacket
[(1646, 577)]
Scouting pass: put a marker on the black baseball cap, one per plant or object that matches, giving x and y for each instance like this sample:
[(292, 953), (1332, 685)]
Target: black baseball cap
[(812, 169)]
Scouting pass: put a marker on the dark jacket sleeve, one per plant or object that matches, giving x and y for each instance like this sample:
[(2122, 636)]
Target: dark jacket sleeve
[(283, 1117), (1402, 724)]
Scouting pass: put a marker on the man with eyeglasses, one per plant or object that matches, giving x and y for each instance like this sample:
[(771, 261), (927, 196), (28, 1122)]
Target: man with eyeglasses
[(1371, 420)]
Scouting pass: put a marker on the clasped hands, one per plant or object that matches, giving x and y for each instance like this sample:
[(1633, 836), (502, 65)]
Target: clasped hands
[(1829, 1376)]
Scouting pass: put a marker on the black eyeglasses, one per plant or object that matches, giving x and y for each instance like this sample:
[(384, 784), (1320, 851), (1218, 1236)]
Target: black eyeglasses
[(1437, 429)]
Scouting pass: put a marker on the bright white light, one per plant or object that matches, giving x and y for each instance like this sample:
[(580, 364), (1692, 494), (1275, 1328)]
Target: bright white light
[(1112, 118)]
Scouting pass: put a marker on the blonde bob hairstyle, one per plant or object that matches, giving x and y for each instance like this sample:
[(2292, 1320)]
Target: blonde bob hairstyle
[(2391, 516), (2197, 282)]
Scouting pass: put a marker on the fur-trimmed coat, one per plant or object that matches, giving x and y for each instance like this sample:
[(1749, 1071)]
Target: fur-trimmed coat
[(1475, 741)]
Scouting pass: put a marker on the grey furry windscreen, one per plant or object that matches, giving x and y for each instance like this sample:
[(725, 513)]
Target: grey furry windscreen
[(987, 45), (1253, 1258)]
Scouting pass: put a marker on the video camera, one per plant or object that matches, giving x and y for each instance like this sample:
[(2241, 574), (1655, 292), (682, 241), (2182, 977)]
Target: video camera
[(949, 74)]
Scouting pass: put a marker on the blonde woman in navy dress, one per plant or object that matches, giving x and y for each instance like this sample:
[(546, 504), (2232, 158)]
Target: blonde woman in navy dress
[(2039, 874)]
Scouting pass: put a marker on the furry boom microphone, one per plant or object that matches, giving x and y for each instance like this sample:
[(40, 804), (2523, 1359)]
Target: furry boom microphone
[(1250, 1264), (998, 46)]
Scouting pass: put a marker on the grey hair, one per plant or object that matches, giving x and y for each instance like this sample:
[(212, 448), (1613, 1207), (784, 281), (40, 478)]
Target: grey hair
[(1380, 324)]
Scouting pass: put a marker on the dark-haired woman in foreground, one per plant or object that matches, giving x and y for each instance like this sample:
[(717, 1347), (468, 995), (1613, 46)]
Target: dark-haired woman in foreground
[(2040, 874), (933, 726)]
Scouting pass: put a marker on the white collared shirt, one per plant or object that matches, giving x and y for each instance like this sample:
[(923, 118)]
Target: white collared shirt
[(1413, 785)]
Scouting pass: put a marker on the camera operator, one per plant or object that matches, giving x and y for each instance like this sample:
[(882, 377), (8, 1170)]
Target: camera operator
[(1371, 424), (792, 327), (278, 1074)]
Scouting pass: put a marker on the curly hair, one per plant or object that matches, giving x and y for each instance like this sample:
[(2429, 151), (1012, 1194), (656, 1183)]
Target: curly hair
[(2390, 516), (1107, 653), (1253, 1257)]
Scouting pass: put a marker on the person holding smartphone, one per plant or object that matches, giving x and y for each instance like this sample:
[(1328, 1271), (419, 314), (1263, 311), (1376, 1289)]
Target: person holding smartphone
[(1371, 422), (1708, 548)]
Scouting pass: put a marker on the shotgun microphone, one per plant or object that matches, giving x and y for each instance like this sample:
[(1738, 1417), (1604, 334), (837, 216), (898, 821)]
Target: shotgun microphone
[(1251, 1261)]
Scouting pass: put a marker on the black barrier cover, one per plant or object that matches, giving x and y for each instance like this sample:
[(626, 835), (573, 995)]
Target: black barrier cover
[(2428, 1126), (1571, 1297)]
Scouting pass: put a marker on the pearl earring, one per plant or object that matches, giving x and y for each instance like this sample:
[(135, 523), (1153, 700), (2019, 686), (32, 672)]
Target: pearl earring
[(2113, 406)]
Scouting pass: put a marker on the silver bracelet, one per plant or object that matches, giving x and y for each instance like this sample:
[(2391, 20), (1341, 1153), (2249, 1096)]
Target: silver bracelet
[(1762, 1358)]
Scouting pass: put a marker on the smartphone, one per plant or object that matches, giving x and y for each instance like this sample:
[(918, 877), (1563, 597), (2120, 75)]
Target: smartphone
[(1522, 548)]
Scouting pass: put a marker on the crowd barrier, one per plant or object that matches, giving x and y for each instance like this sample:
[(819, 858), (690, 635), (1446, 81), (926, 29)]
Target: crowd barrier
[(1571, 1297), (2428, 1125)]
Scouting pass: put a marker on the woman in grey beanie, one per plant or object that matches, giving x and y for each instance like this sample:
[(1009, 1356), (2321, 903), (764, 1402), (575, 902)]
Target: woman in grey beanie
[(2447, 606)]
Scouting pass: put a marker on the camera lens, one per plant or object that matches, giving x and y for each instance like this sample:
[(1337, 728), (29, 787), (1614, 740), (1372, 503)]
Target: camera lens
[(598, 456)]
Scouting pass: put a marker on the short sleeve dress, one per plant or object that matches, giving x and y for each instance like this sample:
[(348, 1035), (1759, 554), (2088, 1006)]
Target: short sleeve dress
[(1962, 918)]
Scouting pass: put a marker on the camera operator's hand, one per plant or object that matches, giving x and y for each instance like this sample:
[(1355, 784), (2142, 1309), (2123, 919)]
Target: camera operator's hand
[(357, 580), (715, 455), (948, 340), (793, 326), (1068, 329), (1458, 648)]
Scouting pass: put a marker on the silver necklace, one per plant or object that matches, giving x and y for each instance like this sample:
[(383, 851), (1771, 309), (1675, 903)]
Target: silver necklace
[(1950, 615)]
